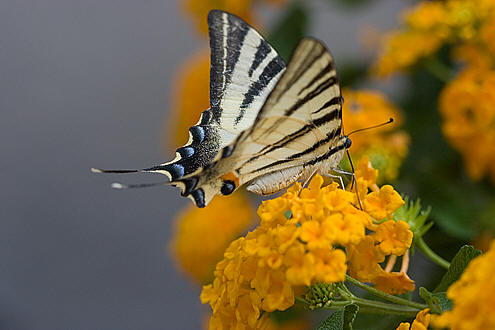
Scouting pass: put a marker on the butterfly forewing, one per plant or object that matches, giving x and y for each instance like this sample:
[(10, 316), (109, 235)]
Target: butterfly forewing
[(244, 69)]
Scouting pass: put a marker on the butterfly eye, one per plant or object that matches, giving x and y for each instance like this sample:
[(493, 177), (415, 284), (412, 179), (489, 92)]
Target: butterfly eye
[(347, 143)]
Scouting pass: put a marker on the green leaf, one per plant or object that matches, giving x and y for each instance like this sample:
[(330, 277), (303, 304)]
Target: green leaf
[(457, 266), (290, 29), (340, 320), (350, 313), (438, 301)]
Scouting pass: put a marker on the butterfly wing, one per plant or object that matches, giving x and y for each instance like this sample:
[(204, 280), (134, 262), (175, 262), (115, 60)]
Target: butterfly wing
[(244, 69), (298, 126)]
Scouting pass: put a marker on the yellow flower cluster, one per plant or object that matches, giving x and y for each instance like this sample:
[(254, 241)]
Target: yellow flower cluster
[(421, 322), (473, 296), (467, 106), (428, 26), (467, 103), (202, 235), (198, 10), (303, 239), (386, 146)]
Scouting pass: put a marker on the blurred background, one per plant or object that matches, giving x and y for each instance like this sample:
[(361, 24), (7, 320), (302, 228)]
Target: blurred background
[(94, 84)]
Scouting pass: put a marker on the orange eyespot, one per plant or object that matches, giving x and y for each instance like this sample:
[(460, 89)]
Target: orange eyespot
[(231, 177)]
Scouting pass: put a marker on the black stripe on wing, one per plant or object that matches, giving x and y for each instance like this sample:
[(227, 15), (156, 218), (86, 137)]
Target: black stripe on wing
[(269, 72), (335, 114), (227, 37), (227, 33)]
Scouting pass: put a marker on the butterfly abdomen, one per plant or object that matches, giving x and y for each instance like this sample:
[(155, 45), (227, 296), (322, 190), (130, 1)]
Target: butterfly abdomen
[(273, 182)]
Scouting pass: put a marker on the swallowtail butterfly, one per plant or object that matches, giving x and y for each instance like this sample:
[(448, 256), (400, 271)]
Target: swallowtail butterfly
[(269, 124)]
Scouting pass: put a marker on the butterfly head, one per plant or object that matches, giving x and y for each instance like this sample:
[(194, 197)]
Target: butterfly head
[(347, 142)]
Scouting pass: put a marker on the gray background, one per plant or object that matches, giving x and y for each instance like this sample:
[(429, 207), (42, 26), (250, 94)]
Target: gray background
[(82, 84)]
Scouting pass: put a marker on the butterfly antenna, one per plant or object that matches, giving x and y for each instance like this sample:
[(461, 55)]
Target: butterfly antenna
[(391, 120), (117, 185), (99, 170), (353, 179)]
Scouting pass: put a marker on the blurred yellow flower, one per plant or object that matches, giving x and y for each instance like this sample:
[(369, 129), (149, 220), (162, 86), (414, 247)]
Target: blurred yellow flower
[(386, 146), (400, 50), (202, 235), (198, 10), (421, 322), (467, 105), (190, 97), (428, 26), (300, 242), (473, 296)]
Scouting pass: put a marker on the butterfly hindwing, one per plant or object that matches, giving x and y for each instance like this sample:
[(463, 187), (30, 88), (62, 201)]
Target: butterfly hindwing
[(297, 128), (244, 69)]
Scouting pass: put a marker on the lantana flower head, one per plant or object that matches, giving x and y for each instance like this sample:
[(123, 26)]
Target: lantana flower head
[(308, 236)]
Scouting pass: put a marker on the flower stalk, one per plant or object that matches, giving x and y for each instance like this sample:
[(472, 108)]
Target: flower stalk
[(385, 296), (428, 252), (338, 296)]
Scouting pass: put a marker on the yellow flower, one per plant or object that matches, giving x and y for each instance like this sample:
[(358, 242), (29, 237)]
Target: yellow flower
[(393, 237), (202, 235), (386, 146), (310, 247), (365, 171), (383, 203), (473, 296), (393, 282), (421, 322), (467, 106), (348, 229), (315, 234), (300, 265), (273, 211), (330, 265), (364, 259)]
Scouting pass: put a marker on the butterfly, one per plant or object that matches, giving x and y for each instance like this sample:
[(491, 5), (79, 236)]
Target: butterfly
[(269, 124)]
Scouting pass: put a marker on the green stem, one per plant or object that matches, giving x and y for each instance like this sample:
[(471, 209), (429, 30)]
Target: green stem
[(301, 300), (374, 307), (439, 69), (423, 247), (385, 296)]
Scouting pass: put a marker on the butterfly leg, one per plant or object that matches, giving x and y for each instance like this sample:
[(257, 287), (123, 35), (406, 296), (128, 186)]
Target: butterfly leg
[(337, 177), (340, 171), (306, 182)]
